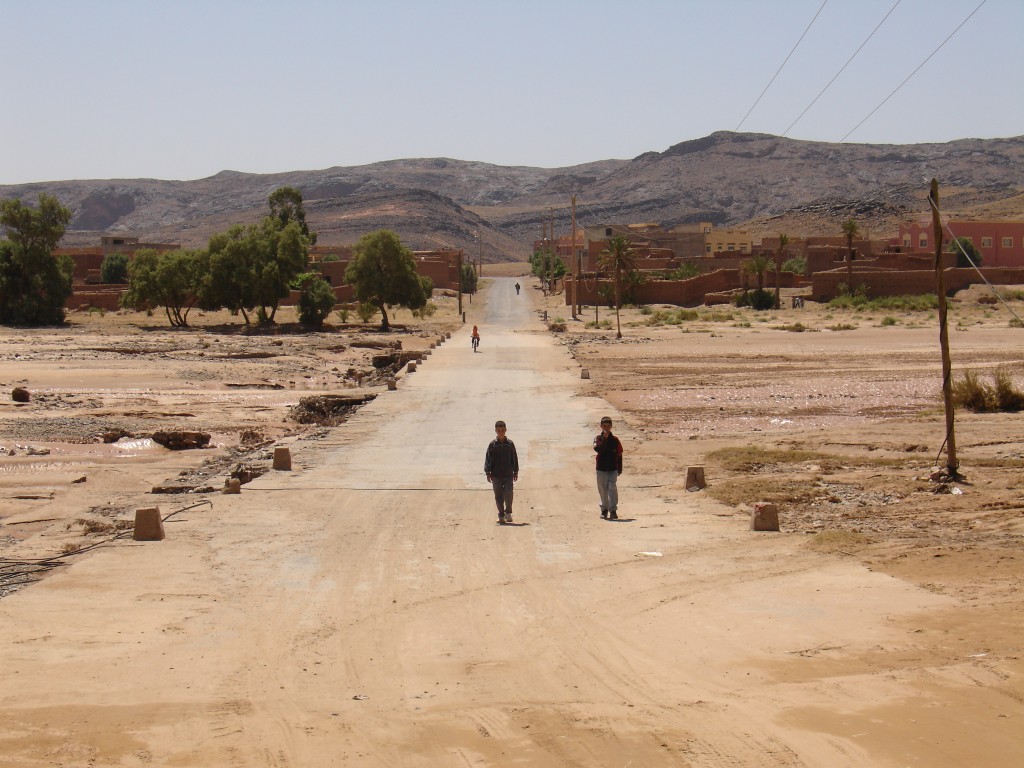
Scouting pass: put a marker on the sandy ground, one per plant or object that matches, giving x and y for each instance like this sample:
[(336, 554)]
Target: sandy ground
[(364, 609)]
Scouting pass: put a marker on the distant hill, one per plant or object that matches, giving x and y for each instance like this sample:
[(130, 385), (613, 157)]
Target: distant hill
[(764, 183)]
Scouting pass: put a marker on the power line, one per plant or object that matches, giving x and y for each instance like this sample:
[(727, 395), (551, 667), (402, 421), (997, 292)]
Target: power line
[(842, 68), (780, 67), (898, 87)]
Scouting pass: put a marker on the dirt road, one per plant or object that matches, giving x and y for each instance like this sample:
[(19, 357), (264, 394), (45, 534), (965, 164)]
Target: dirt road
[(366, 610)]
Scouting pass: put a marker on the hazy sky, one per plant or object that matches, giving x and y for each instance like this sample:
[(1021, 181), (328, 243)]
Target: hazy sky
[(181, 90)]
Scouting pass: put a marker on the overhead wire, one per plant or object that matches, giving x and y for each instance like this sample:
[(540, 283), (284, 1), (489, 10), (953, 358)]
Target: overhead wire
[(907, 79), (837, 74), (783, 64)]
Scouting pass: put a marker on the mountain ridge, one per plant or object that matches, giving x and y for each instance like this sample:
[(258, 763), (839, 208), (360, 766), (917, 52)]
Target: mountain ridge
[(758, 181)]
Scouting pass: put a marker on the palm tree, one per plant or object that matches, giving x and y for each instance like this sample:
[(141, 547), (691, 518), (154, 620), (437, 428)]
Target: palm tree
[(851, 230), (779, 255), (758, 265), (619, 257)]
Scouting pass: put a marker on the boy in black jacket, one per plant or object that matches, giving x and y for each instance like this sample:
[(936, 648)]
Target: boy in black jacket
[(501, 465), (609, 467)]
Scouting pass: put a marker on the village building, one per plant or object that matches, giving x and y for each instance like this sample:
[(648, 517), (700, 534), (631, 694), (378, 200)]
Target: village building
[(1001, 243)]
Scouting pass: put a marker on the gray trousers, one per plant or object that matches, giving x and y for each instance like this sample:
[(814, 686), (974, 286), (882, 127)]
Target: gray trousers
[(608, 490), (502, 493)]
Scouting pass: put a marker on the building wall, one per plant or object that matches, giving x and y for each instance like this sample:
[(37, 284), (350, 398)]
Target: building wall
[(1001, 243), (825, 285), (684, 293)]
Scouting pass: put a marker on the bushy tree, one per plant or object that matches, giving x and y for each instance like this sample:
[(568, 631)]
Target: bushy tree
[(251, 267), (757, 265), (962, 245), (316, 302), (383, 273), (171, 280), (286, 206), (114, 268), (33, 283)]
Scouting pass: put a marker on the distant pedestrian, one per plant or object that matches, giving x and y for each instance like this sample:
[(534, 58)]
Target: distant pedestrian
[(474, 340), (517, 289), (609, 467), (501, 465)]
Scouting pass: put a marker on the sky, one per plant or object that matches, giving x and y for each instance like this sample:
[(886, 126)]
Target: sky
[(183, 89)]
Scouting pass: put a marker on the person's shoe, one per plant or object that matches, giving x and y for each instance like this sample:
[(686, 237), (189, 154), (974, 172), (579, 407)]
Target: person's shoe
[(501, 518), (604, 514), (613, 515), (508, 517)]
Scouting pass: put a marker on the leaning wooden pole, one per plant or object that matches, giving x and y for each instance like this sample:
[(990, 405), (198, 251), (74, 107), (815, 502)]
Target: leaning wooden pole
[(575, 271), (940, 289)]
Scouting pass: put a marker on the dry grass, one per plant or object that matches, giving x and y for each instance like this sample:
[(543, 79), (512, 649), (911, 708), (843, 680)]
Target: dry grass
[(846, 542)]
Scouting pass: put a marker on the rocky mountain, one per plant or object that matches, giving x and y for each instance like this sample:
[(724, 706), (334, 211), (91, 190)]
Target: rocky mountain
[(763, 183)]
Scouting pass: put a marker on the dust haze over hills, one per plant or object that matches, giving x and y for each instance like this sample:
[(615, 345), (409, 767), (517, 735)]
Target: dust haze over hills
[(763, 183)]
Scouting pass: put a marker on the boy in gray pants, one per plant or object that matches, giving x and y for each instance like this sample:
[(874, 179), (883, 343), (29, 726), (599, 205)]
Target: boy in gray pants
[(501, 465)]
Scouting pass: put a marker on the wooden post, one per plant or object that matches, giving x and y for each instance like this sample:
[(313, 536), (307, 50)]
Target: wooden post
[(947, 381), (575, 273), (459, 267)]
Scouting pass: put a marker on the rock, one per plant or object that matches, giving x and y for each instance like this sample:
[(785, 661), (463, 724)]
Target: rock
[(181, 440), (113, 435), (79, 480), (20, 395), (33, 451), (245, 473)]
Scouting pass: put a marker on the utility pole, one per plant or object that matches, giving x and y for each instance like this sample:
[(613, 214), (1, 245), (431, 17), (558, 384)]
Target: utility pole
[(947, 383), (575, 270), (458, 261), (554, 252)]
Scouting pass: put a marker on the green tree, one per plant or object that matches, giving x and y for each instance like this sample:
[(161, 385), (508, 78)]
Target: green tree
[(251, 267), (618, 258), (780, 256), (286, 206), (114, 268), (316, 302), (468, 282), (964, 247), (383, 273), (757, 265), (33, 283), (851, 230), (170, 280)]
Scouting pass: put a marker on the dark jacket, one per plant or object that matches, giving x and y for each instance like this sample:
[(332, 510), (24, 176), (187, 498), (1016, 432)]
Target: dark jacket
[(501, 459), (609, 453)]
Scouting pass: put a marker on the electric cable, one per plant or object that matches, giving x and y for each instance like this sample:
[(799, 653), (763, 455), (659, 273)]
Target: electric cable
[(781, 66), (919, 66), (837, 74)]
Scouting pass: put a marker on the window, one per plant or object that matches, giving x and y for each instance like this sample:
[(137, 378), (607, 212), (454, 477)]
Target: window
[(1007, 242), (923, 241), (732, 246), (906, 240), (608, 232), (707, 248), (986, 242)]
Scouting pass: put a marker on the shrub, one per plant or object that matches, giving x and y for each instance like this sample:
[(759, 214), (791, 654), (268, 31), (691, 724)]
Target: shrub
[(114, 268), (425, 311), (342, 315), (557, 325), (975, 395), (758, 299), (366, 311), (315, 302), (889, 320)]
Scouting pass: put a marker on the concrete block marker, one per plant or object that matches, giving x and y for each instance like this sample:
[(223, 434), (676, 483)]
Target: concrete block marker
[(585, 373), (148, 525), (282, 458), (232, 485), (765, 517), (448, 335), (695, 479), (392, 385), (411, 367), (433, 345)]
